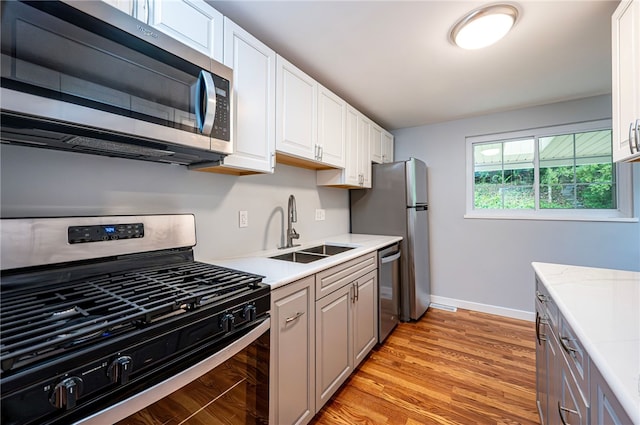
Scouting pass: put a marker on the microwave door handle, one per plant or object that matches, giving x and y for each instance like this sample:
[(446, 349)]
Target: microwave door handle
[(206, 102)]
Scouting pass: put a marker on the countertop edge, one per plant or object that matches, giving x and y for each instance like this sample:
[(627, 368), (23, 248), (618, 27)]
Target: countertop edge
[(629, 404)]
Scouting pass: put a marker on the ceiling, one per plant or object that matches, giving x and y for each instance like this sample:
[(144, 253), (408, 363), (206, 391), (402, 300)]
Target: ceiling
[(393, 61)]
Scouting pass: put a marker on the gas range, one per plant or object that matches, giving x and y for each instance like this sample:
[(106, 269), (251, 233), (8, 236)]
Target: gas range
[(100, 308)]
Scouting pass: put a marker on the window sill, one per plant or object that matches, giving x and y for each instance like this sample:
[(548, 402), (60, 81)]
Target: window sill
[(490, 216)]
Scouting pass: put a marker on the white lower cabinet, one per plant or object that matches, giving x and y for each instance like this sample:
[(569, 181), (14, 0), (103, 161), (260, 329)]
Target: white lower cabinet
[(292, 399), (346, 321), (322, 327), (365, 316), (333, 342)]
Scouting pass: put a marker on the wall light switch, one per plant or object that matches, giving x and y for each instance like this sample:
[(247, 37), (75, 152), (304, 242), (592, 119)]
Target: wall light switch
[(319, 214), (243, 219)]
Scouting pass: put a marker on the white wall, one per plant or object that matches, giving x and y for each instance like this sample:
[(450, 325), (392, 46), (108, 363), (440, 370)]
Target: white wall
[(488, 261), (39, 182)]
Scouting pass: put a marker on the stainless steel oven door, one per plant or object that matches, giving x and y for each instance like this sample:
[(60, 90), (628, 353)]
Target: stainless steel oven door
[(229, 387)]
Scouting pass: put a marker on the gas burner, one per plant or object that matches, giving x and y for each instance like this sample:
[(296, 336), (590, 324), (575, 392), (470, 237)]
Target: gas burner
[(81, 329)]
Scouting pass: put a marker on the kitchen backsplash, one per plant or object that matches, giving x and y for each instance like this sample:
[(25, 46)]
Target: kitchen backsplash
[(38, 182)]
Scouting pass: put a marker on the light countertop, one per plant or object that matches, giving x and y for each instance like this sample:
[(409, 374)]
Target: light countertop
[(603, 308), (279, 272)]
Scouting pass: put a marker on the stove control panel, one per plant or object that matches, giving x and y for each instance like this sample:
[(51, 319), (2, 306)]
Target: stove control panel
[(104, 232)]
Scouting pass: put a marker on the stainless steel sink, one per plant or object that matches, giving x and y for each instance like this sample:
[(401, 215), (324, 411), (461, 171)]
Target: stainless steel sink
[(328, 249), (299, 257), (308, 255)]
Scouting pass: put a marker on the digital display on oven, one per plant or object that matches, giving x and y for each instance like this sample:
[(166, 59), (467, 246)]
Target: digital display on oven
[(104, 233)]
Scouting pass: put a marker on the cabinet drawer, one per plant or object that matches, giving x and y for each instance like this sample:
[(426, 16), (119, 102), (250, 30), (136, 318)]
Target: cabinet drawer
[(576, 356), (336, 277)]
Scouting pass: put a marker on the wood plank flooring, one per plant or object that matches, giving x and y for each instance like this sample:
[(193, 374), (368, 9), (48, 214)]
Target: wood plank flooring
[(459, 367)]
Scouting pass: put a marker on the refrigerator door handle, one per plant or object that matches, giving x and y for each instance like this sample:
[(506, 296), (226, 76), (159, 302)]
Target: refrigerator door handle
[(390, 258)]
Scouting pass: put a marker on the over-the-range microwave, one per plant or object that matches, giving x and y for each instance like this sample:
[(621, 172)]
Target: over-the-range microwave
[(84, 76)]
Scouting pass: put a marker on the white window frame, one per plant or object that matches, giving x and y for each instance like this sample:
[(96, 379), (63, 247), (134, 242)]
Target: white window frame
[(623, 212)]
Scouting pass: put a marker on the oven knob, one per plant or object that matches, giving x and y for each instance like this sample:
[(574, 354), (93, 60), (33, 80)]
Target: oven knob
[(119, 370), (66, 393), (249, 312), (226, 322)]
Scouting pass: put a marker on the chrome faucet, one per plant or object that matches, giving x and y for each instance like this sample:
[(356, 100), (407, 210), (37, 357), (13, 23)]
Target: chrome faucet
[(292, 217)]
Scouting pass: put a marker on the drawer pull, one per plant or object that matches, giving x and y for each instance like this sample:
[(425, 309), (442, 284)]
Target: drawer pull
[(540, 321), (570, 350), (294, 317), (542, 297), (561, 411)]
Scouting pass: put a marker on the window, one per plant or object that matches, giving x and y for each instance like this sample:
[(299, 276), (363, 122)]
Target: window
[(558, 172)]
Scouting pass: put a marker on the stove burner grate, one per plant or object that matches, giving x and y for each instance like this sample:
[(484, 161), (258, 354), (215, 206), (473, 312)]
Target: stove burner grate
[(39, 323)]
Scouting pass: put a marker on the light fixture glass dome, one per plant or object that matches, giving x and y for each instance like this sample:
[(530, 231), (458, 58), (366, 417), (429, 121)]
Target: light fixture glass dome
[(483, 27)]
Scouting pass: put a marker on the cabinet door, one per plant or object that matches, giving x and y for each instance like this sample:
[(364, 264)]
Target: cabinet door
[(375, 140), (331, 128), (605, 407), (571, 408), (127, 6), (542, 366), (296, 111), (292, 351), (254, 82), (387, 147), (333, 342), (193, 22), (352, 164), (365, 316), (626, 80), (364, 130)]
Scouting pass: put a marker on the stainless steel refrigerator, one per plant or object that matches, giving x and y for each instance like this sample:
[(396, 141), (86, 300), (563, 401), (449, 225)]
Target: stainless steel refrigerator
[(397, 205)]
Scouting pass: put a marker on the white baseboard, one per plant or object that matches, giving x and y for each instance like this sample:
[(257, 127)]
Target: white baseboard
[(485, 308)]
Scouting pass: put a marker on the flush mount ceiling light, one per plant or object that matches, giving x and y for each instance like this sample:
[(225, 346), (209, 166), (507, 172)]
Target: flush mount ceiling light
[(484, 26)]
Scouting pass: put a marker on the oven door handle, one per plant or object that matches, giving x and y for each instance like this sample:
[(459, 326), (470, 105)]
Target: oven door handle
[(149, 396)]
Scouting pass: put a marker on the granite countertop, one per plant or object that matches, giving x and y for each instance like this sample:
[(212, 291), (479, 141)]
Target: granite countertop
[(278, 272), (603, 308)]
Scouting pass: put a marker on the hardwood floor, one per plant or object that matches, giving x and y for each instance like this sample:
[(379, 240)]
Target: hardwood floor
[(459, 367)]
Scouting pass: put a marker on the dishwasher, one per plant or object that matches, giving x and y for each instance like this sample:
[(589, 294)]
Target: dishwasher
[(388, 290)]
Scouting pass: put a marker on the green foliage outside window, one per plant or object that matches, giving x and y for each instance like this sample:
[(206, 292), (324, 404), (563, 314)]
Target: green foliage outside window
[(575, 171)]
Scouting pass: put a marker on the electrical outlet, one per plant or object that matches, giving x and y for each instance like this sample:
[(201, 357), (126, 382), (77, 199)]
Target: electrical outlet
[(243, 219), (319, 214)]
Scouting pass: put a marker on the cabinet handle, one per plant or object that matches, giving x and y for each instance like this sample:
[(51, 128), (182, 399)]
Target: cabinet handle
[(631, 133), (637, 134), (294, 317), (570, 350), (561, 411), (540, 336), (273, 161), (321, 152), (542, 297)]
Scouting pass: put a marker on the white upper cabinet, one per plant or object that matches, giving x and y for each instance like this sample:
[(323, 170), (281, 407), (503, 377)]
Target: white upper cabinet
[(387, 146), (331, 127), (625, 25), (357, 170), (296, 111), (254, 85), (375, 137), (193, 22), (134, 8), (381, 145), (310, 120)]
